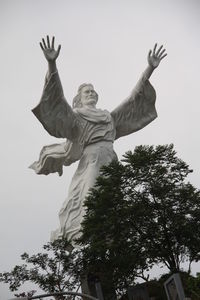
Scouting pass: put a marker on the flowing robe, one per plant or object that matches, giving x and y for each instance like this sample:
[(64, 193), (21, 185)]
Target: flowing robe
[(90, 134)]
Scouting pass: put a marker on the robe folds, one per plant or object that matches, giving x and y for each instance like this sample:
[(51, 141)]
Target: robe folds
[(89, 133)]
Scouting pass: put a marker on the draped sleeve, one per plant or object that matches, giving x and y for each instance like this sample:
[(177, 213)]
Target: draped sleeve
[(53, 111), (137, 111)]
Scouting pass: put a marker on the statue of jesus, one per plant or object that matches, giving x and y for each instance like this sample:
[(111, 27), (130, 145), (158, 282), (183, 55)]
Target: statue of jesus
[(89, 131)]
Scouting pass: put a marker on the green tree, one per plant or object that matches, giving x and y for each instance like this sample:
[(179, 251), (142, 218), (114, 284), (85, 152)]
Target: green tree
[(52, 270), (141, 212)]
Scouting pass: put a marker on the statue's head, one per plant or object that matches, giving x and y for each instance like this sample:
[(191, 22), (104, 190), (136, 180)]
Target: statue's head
[(86, 96)]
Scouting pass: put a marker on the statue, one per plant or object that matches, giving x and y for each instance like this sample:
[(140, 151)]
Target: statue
[(89, 132)]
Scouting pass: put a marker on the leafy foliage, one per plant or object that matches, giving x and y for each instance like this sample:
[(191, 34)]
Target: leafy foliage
[(141, 212), (28, 294), (52, 270)]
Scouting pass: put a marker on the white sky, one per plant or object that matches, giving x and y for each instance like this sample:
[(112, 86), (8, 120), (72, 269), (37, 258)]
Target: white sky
[(104, 42)]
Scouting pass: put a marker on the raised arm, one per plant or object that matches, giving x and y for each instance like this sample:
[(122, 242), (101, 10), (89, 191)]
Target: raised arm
[(138, 109), (53, 111), (154, 58)]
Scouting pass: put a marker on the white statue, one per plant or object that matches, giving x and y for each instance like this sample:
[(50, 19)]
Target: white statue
[(90, 132)]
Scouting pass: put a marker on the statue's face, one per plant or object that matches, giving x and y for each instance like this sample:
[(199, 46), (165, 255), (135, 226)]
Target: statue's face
[(88, 96)]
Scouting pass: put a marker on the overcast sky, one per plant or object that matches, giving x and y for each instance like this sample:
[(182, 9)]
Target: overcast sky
[(106, 43)]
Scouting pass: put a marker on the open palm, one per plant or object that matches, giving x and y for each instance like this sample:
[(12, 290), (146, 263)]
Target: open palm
[(48, 49), (155, 56)]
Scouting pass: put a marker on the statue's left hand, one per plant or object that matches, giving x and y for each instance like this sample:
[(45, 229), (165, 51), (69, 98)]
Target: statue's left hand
[(155, 57)]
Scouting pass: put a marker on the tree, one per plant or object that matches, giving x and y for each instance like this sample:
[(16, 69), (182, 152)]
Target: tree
[(52, 270), (142, 211)]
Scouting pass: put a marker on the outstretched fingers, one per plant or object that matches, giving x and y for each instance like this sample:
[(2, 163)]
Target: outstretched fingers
[(44, 44), (58, 50), (149, 54), (158, 52), (47, 46), (161, 57), (48, 42), (41, 46), (154, 49), (52, 42), (162, 53)]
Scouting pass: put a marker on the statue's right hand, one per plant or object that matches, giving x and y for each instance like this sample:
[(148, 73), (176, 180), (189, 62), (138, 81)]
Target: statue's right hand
[(48, 49)]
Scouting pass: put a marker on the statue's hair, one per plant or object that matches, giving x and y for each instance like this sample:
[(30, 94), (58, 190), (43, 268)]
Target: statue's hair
[(77, 99)]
